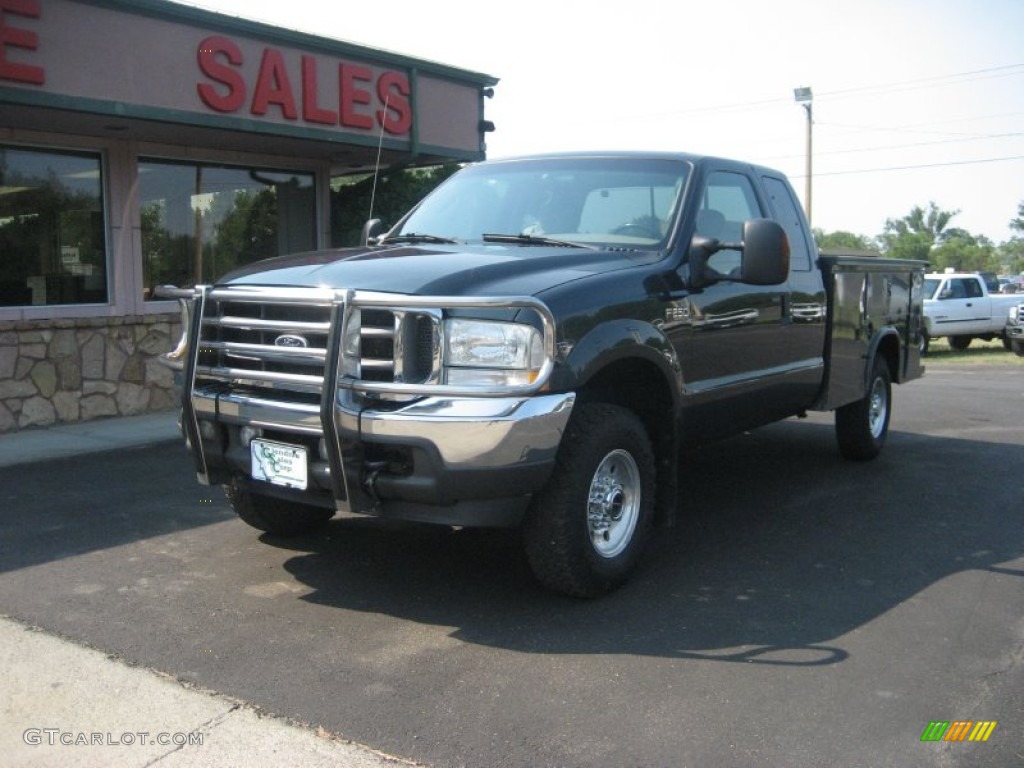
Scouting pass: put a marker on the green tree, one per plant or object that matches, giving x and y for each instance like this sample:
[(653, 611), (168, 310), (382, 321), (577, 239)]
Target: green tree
[(964, 252), (916, 234), (1011, 256), (396, 192), (843, 240), (1017, 223), (246, 232), (1011, 253)]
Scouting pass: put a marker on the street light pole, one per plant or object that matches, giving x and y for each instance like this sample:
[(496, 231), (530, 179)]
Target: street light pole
[(805, 98)]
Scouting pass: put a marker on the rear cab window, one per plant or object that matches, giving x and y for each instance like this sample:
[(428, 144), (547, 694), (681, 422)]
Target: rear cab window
[(788, 215)]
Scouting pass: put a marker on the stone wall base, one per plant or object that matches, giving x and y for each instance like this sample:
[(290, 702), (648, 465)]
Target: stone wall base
[(58, 371)]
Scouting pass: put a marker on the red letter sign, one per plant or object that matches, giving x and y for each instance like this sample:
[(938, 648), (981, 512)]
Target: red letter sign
[(17, 37), (273, 87), (393, 92), (209, 49), (311, 111), (350, 95)]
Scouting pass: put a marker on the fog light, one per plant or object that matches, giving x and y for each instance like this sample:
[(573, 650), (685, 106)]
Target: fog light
[(208, 430), (247, 434)]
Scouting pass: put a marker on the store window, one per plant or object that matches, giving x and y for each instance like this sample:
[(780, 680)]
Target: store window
[(200, 221), (52, 241)]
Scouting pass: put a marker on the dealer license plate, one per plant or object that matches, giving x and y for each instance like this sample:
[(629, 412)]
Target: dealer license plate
[(280, 464)]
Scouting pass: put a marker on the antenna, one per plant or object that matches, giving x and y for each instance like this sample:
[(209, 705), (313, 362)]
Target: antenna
[(376, 167)]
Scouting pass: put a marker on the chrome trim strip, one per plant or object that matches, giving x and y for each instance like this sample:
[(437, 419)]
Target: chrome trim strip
[(309, 355), (722, 382), (258, 378), (256, 324), (248, 294), (189, 419), (376, 364), (373, 332), (325, 412), (244, 410)]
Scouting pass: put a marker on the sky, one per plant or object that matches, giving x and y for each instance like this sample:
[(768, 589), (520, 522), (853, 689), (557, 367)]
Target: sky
[(914, 101)]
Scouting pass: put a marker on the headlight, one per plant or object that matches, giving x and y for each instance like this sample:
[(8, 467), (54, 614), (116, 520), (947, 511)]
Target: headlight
[(1014, 313), (483, 352)]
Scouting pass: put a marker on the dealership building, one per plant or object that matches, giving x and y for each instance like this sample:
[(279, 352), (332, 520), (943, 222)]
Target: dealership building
[(146, 143)]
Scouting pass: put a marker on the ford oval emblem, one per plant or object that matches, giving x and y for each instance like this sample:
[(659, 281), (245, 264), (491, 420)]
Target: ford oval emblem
[(290, 340)]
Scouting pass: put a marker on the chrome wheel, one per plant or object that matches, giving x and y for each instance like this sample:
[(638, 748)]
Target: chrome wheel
[(585, 530), (613, 506), (861, 426), (878, 408)]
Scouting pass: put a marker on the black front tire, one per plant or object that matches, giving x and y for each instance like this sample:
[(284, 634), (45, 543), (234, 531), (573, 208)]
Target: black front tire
[(1018, 347), (585, 531), (861, 427), (276, 516)]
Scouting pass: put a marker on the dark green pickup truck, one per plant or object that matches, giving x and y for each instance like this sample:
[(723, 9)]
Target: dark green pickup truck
[(535, 344)]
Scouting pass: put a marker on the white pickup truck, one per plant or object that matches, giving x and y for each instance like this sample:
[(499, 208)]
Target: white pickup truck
[(1015, 328), (959, 305)]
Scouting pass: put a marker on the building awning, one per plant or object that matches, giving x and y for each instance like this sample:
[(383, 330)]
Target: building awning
[(158, 72)]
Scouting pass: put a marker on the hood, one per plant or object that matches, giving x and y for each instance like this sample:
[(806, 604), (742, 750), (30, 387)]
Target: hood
[(481, 269)]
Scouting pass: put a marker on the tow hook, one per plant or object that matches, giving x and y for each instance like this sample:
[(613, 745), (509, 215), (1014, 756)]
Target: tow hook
[(373, 470)]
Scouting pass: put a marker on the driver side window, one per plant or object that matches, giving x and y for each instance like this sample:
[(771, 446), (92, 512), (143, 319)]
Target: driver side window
[(727, 201)]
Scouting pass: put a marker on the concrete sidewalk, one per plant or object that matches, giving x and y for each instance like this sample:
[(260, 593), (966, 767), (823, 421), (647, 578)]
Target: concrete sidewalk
[(65, 705), (66, 440)]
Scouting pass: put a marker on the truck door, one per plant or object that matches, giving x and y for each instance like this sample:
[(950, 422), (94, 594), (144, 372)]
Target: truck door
[(962, 307), (731, 341)]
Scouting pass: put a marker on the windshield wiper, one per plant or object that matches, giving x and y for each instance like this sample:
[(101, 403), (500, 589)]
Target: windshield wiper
[(524, 239), (417, 237)]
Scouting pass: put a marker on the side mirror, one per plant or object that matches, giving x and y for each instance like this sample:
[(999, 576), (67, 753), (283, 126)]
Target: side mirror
[(765, 259), (765, 253), (372, 229)]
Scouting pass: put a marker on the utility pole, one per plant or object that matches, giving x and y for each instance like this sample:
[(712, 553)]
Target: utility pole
[(805, 98)]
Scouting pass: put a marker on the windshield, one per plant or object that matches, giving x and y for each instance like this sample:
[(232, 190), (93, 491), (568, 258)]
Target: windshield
[(625, 202), (930, 286)]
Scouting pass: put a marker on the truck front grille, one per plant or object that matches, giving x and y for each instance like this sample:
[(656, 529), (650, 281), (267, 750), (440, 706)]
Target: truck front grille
[(398, 346), (266, 340), (276, 341)]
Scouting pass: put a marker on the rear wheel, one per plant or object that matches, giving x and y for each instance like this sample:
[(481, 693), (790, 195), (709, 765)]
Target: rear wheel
[(861, 427), (960, 343), (585, 531), (265, 513)]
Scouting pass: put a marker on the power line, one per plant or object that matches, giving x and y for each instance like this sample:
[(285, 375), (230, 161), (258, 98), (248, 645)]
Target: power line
[(904, 146), (915, 167), (911, 128), (879, 88), (929, 82)]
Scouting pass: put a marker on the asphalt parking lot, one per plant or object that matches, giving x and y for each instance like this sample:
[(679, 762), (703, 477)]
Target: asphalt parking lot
[(806, 611)]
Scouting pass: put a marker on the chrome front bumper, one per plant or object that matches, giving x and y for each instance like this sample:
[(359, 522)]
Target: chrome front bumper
[(471, 434), (465, 461)]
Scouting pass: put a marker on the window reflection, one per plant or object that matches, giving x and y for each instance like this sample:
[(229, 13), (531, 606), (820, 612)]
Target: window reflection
[(200, 221), (52, 245)]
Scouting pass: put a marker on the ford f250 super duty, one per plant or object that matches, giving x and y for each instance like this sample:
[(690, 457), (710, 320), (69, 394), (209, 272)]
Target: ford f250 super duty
[(536, 344)]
